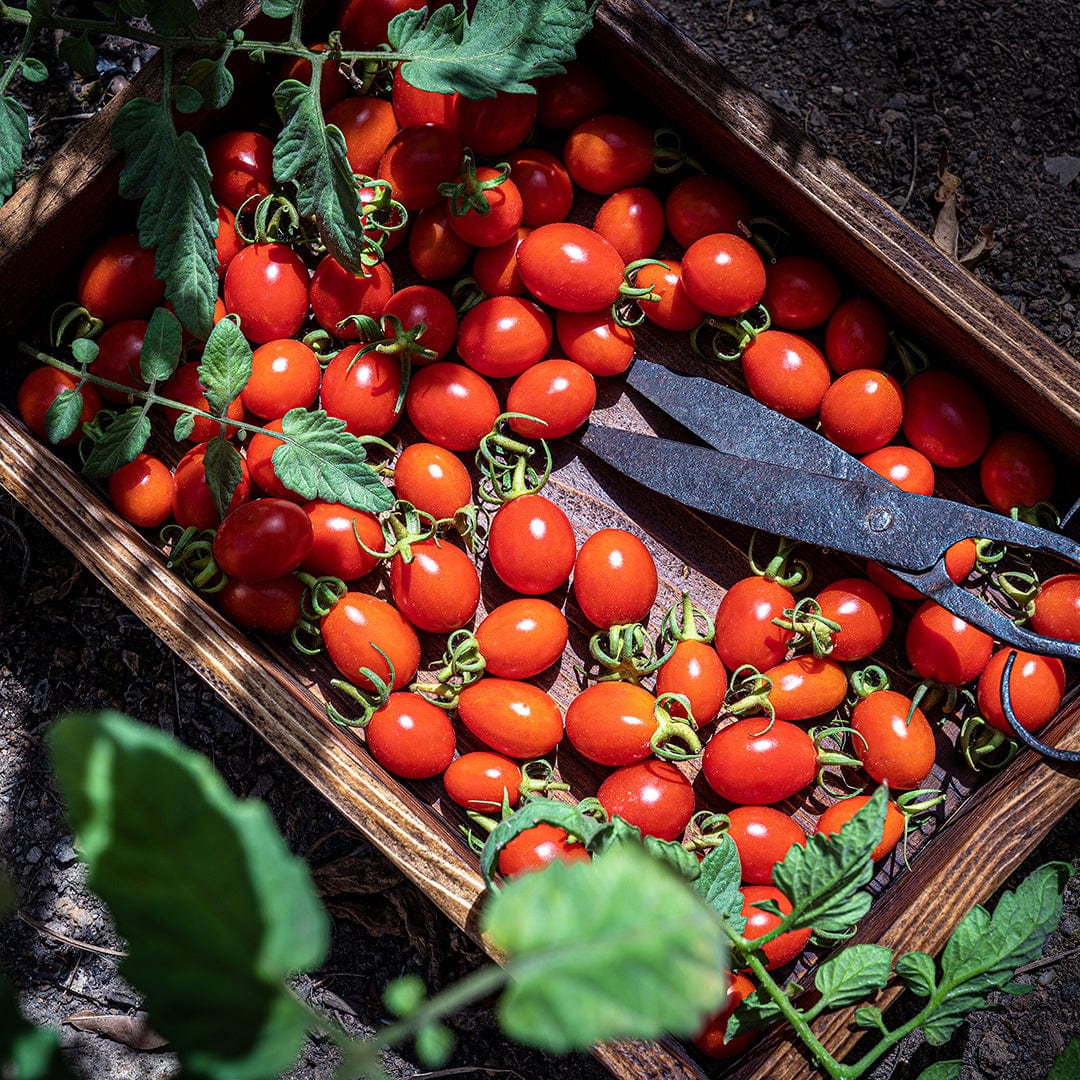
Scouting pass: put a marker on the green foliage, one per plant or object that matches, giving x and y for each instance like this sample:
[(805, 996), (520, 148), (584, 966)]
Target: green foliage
[(279, 9), (27, 1052), (125, 437), (170, 16), (948, 1070), (225, 367), (77, 51), (223, 471), (161, 346), (213, 81), (63, 415), (33, 70), (1067, 1065), (216, 911), (852, 974), (14, 137), (718, 885)]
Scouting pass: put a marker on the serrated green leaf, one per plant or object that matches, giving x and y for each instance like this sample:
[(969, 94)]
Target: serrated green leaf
[(170, 16), (187, 99), (500, 47), (225, 367), (685, 863), (33, 70), (985, 949), (825, 881), (870, 1018), (77, 51), (755, 1012), (161, 346), (63, 415), (918, 972), (216, 911), (853, 974), (1067, 1064), (434, 1045), (587, 965), (27, 1052), (84, 350), (14, 135), (311, 155), (178, 217), (184, 426), (125, 437), (278, 9), (321, 460), (223, 472), (718, 885), (950, 1070), (213, 80)]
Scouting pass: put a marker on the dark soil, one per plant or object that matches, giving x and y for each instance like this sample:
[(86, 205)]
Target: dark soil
[(888, 87)]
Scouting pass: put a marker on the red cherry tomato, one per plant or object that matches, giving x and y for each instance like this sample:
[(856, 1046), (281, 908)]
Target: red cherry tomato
[(864, 613), (522, 637), (336, 294), (142, 491), (241, 166), (353, 628), (1036, 686), (435, 250), (745, 633), (763, 837), (632, 221), (695, 671), (534, 848), (267, 286), (512, 717), (499, 221), (368, 124), (117, 281), (710, 1039), (609, 152), (503, 335), (451, 405), (363, 23), (531, 545), (119, 348), (800, 292), (228, 241), (544, 183), (595, 341), (723, 274), (805, 687), (559, 393), (493, 126), (262, 539), (783, 949), (570, 267), (432, 479), (945, 419), (611, 723), (1057, 608), (480, 780), (183, 385), (337, 532), (903, 466), (495, 268), (410, 737), (673, 309), (1016, 471), (786, 372), (333, 85), (415, 106), (857, 335), (263, 607), (193, 503), (615, 579), (285, 375), (362, 388), (652, 795), (862, 410), (701, 205), (835, 817), (41, 388), (746, 764), (943, 648), (422, 305), (438, 589), (260, 460), (959, 562), (895, 742), (565, 99), (417, 160)]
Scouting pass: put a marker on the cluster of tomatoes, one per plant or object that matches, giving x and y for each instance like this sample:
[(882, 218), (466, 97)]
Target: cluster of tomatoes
[(551, 308)]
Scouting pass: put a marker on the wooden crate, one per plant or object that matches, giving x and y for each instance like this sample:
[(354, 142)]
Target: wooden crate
[(48, 225)]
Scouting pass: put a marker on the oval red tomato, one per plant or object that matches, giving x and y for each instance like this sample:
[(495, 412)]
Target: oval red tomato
[(653, 795), (615, 578), (512, 717), (263, 539)]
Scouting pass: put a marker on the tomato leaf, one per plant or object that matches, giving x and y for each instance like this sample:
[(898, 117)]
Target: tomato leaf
[(278, 9), (311, 154), (184, 426), (589, 959), (125, 437), (216, 911), (77, 51), (825, 881), (161, 346), (499, 47), (178, 217), (84, 350), (225, 367), (853, 974), (171, 16), (1067, 1064), (26, 1050), (223, 471), (683, 862), (985, 949), (754, 1012), (870, 1018), (63, 415), (718, 885), (213, 80), (14, 135), (321, 460), (33, 70), (918, 972), (950, 1070)]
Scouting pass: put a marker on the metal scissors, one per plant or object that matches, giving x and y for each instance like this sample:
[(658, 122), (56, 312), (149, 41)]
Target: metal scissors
[(765, 471)]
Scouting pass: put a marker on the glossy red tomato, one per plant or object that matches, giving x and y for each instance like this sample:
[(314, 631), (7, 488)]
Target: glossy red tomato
[(228, 241), (417, 160), (337, 532), (595, 341), (857, 335), (783, 949), (503, 335), (903, 466), (763, 836), (567, 98), (723, 274), (480, 780), (499, 221), (544, 183), (119, 348), (652, 795), (673, 309), (805, 687), (800, 292), (632, 221), (285, 375), (422, 305), (1016, 471), (615, 579), (260, 461), (414, 106), (410, 737), (611, 723), (183, 385), (368, 124), (333, 85), (945, 418), (142, 491), (512, 717), (609, 152), (959, 562), (241, 166), (363, 390), (435, 250), (117, 281), (786, 372), (695, 671), (363, 23), (432, 479), (531, 545), (895, 742), (559, 393), (438, 589), (746, 764), (262, 539), (570, 267), (336, 294), (864, 613), (41, 388), (943, 648), (535, 848), (193, 503), (701, 205), (495, 268), (835, 817), (710, 1039), (263, 607), (353, 628), (451, 405), (493, 126), (745, 633), (1057, 608), (862, 410), (521, 638), (1036, 686), (267, 286)]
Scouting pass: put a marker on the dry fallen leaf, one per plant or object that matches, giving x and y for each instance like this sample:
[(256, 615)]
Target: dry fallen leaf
[(132, 1031), (946, 234), (981, 249)]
